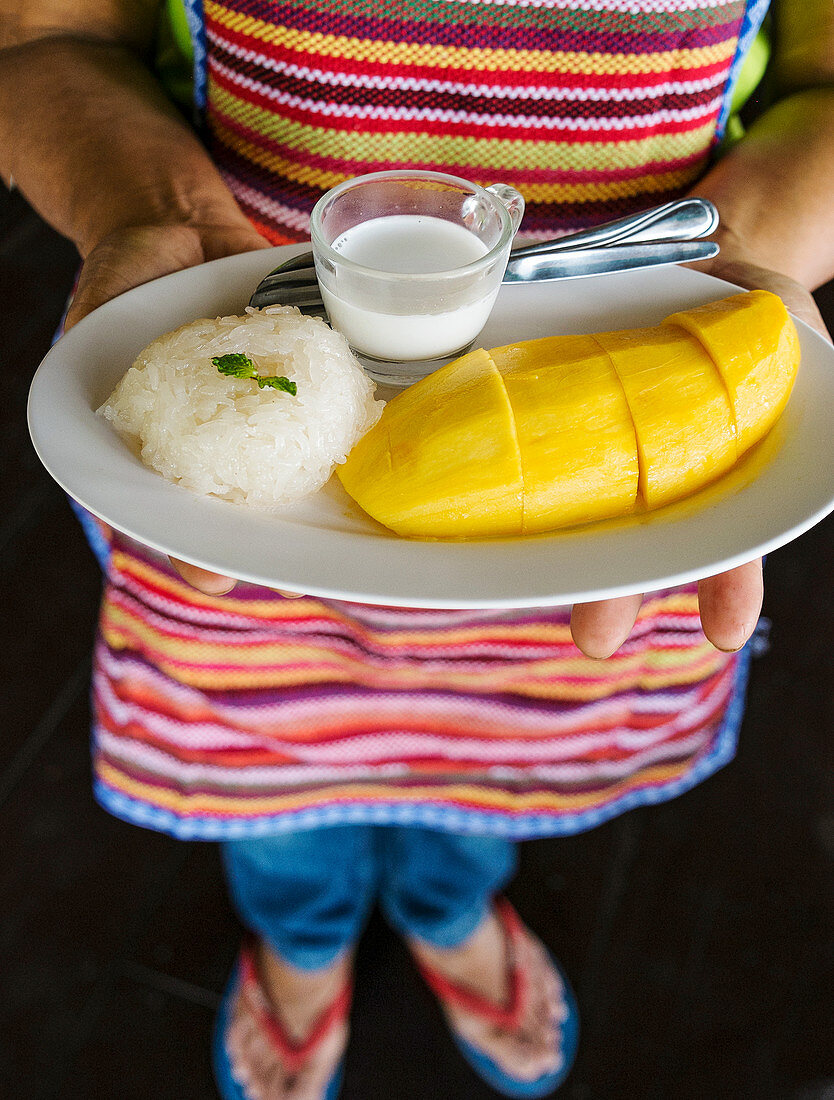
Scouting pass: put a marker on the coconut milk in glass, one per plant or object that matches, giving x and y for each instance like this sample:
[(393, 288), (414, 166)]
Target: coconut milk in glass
[(410, 264)]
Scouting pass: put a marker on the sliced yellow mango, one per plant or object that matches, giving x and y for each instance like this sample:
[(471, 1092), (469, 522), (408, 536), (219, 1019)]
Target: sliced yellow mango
[(569, 429), (572, 422), (679, 406), (443, 457), (754, 345)]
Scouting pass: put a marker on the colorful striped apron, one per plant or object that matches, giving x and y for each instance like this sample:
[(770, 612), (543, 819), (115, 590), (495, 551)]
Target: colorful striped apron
[(224, 717)]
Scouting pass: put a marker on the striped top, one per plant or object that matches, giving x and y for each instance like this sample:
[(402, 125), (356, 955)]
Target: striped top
[(591, 108), (222, 717)]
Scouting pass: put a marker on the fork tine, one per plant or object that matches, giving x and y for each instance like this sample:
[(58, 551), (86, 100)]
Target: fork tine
[(305, 276), (304, 259), (303, 300), (292, 283), (307, 298)]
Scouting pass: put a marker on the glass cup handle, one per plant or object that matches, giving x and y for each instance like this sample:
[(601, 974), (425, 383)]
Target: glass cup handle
[(511, 199)]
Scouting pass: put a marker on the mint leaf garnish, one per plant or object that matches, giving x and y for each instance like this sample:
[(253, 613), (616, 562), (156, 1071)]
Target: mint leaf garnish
[(238, 365), (278, 382)]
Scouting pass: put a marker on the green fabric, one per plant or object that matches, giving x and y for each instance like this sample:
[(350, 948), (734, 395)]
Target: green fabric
[(174, 58), (752, 70)]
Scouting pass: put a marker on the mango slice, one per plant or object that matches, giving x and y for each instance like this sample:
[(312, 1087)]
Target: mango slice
[(570, 429), (572, 421), (445, 459), (754, 345), (685, 430)]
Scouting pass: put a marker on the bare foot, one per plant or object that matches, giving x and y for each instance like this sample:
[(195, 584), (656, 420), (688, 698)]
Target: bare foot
[(297, 999), (482, 965)]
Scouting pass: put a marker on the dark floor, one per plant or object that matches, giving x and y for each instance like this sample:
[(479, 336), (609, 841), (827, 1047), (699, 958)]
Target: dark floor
[(699, 935)]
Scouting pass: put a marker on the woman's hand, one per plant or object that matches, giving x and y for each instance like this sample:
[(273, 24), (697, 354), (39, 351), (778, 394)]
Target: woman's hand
[(132, 256), (129, 257), (730, 603)]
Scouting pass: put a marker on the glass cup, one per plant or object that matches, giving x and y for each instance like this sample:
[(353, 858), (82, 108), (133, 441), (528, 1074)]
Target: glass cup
[(410, 264)]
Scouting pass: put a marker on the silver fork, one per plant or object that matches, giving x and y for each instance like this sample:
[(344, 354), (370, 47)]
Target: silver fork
[(665, 234)]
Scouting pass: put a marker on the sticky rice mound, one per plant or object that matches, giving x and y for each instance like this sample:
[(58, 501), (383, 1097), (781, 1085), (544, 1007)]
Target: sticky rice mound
[(223, 435)]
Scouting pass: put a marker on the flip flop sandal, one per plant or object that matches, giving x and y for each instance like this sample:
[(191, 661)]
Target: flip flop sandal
[(508, 1017), (293, 1055)]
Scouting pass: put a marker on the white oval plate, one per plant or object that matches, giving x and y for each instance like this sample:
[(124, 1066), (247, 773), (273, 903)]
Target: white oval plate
[(328, 547)]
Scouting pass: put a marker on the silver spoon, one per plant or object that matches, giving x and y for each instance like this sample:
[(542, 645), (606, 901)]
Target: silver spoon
[(664, 234)]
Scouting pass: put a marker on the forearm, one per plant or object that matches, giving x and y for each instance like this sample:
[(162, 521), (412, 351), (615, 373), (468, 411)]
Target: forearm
[(774, 190), (95, 146)]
